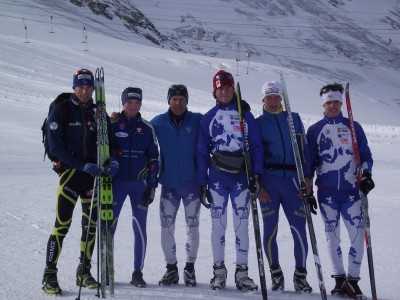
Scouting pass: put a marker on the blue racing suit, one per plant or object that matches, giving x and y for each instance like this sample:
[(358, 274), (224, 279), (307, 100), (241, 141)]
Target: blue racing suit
[(338, 191), (220, 143)]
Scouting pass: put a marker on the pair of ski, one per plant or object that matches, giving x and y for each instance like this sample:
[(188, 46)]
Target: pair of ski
[(103, 190)]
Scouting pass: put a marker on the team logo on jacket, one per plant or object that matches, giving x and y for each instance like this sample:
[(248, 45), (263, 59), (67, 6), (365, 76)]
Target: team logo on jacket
[(53, 126), (122, 126), (121, 134), (188, 129), (139, 130)]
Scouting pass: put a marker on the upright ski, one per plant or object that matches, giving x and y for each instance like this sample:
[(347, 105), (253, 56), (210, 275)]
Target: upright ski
[(253, 196), (363, 197), (105, 194), (301, 179)]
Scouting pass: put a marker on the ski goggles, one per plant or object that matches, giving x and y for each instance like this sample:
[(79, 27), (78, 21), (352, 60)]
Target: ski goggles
[(224, 76)]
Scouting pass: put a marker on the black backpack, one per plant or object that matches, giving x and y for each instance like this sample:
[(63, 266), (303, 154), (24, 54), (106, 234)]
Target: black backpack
[(61, 99)]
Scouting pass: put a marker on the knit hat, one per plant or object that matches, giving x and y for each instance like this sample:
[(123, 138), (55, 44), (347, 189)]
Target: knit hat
[(83, 77), (271, 88), (331, 96), (222, 78), (131, 93), (177, 90)]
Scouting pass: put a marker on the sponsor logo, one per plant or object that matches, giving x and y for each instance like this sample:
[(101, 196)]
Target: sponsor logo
[(84, 77), (52, 249), (344, 140), (272, 90), (139, 129), (53, 126), (134, 95), (75, 124), (75, 194), (121, 134)]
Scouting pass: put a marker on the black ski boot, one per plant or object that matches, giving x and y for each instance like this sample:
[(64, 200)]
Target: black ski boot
[(339, 285), (300, 281), (277, 278), (218, 282), (242, 279), (352, 289), (171, 276), (189, 275), (87, 279), (137, 279), (50, 281)]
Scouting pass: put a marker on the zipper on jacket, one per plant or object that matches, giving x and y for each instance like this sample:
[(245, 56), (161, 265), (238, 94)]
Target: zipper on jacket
[(283, 143)]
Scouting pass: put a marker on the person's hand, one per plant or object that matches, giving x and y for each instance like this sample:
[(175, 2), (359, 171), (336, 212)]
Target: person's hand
[(366, 183), (263, 196), (148, 195), (255, 185), (115, 116), (92, 169), (112, 168), (205, 196), (312, 203)]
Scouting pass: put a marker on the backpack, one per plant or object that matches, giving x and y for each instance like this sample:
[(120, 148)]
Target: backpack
[(61, 99)]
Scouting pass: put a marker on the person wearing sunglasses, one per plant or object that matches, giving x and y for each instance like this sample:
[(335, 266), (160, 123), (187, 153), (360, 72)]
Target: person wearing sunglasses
[(280, 186), (177, 131), (338, 192), (75, 147), (222, 176)]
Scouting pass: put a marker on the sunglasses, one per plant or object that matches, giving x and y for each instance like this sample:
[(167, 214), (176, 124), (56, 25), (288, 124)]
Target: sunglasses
[(224, 76), (331, 89)]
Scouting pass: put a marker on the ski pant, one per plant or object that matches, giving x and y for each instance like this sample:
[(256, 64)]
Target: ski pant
[(169, 204), (347, 204), (223, 186), (284, 191), (135, 190), (73, 184)]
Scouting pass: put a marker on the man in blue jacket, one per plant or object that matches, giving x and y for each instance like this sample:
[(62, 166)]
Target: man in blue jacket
[(75, 147), (134, 168), (177, 131), (338, 189), (221, 175), (281, 187)]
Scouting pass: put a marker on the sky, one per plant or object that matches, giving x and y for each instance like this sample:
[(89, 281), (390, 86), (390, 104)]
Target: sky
[(35, 68)]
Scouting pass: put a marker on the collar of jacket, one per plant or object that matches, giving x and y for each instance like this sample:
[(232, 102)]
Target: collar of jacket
[(266, 111), (334, 120)]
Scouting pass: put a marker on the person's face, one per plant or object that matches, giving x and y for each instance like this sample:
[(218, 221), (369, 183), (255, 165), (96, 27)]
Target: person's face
[(272, 102), (132, 107), (224, 94), (178, 105), (332, 108), (84, 93)]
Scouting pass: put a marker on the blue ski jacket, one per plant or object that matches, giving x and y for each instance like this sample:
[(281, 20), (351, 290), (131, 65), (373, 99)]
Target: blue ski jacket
[(332, 152), (177, 148), (136, 150), (278, 151), (220, 130), (77, 145)]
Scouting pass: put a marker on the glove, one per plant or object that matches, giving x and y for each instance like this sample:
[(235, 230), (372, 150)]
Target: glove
[(92, 169), (312, 203), (205, 196), (366, 183), (148, 195), (112, 168), (255, 185)]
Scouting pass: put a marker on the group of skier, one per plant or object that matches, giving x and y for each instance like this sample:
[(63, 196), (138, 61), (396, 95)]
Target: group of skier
[(199, 159)]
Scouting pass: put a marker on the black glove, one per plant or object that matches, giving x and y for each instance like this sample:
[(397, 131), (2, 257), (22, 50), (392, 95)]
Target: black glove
[(312, 203), (148, 195), (255, 185), (366, 183), (205, 196)]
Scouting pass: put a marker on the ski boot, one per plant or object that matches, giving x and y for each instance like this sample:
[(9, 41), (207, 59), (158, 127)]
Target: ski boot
[(300, 281), (137, 279), (340, 283), (352, 289), (242, 279), (189, 275), (171, 276), (50, 281), (277, 278), (218, 282), (84, 277)]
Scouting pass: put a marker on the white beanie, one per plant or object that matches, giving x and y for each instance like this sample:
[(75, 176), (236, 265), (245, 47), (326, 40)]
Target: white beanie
[(271, 88), (331, 96)]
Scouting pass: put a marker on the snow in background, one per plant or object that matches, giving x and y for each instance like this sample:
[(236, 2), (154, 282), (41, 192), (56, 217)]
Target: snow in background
[(32, 74)]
